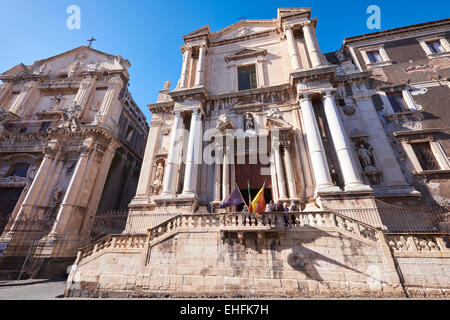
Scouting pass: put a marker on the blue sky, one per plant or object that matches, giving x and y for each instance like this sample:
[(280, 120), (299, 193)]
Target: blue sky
[(149, 33)]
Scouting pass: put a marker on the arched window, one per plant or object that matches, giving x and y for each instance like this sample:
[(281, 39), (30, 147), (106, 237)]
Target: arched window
[(20, 170)]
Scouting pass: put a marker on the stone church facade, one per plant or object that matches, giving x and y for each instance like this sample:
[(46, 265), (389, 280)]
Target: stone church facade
[(357, 139), (66, 122)]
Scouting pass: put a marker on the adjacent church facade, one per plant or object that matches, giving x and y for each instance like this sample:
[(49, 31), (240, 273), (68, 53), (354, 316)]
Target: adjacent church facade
[(69, 129)]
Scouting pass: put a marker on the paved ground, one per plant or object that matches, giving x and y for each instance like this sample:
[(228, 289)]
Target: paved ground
[(32, 289)]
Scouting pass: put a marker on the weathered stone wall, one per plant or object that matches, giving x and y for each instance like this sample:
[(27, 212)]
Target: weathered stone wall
[(425, 274), (308, 263)]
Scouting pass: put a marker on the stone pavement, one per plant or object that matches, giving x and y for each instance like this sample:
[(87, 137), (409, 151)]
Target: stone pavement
[(34, 289)]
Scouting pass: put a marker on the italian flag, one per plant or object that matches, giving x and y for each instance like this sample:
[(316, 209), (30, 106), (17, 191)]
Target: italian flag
[(259, 203)]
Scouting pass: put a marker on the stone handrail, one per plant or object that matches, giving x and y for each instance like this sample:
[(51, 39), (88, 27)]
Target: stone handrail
[(233, 222), (116, 241), (267, 221), (418, 242)]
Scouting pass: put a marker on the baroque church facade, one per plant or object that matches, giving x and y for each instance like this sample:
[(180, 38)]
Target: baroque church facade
[(357, 139), (69, 129)]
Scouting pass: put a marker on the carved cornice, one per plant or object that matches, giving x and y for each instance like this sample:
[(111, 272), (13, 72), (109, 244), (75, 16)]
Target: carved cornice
[(197, 93), (319, 73)]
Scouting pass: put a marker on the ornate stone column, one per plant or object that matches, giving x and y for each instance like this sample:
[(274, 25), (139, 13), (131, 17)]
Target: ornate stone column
[(184, 69), (315, 147), (292, 48), (289, 169), (311, 43), (199, 77), (350, 173), (170, 175), (194, 154), (392, 173), (279, 167)]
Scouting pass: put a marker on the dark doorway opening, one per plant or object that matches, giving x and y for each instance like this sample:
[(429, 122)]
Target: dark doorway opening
[(254, 192), (8, 201)]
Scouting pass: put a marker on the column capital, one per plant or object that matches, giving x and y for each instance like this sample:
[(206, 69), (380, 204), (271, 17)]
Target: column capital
[(328, 93), (303, 96)]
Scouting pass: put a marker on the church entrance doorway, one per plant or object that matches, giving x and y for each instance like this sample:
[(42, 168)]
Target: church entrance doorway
[(8, 201), (253, 175)]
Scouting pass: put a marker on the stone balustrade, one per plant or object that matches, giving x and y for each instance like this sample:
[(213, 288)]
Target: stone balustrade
[(266, 222), (418, 242), (122, 241)]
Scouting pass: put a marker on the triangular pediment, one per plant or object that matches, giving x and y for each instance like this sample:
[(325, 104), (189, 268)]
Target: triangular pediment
[(243, 28), (245, 53), (75, 61)]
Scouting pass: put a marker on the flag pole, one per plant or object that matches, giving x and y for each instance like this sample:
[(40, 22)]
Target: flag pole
[(242, 196)]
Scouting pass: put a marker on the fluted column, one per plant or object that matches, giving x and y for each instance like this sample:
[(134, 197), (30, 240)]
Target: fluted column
[(226, 173), (289, 170), (315, 146), (170, 175), (279, 167), (350, 173), (107, 115), (84, 93), (184, 69), (199, 77), (292, 49), (19, 105), (312, 46), (194, 154)]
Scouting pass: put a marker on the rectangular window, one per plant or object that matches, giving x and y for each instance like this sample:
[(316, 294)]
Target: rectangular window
[(425, 156), (247, 77), (435, 46), (374, 56), (397, 102)]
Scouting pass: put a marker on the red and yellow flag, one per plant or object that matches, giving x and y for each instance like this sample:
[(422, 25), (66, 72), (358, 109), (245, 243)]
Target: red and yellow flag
[(259, 203)]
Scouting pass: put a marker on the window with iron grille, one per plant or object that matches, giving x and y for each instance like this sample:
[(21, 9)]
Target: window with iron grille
[(247, 77), (425, 156)]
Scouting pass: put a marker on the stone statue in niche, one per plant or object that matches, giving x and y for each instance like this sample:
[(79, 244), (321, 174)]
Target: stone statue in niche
[(249, 122), (159, 176), (365, 154), (222, 119)]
